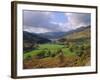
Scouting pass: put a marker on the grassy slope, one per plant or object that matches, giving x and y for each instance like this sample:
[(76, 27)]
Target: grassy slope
[(83, 34), (52, 47)]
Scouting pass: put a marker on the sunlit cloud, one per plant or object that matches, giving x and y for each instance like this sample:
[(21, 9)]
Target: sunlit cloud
[(78, 19)]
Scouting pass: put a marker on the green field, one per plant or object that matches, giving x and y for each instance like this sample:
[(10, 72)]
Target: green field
[(52, 47)]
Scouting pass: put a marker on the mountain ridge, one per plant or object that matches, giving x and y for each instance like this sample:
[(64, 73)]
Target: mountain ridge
[(57, 35)]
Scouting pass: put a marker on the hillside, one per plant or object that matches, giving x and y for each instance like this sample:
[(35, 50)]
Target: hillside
[(31, 39), (82, 33)]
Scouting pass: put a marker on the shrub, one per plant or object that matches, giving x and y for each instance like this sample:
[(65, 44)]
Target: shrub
[(71, 49), (28, 57), (47, 53), (53, 55), (41, 55)]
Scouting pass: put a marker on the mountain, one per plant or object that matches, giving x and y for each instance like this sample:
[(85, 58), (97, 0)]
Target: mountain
[(52, 35), (31, 39), (81, 34), (58, 35)]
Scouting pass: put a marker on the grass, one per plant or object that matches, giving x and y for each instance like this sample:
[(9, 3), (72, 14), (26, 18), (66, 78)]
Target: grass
[(69, 59), (52, 47)]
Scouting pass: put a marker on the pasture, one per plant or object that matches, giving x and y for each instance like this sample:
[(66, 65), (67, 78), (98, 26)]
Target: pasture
[(53, 48)]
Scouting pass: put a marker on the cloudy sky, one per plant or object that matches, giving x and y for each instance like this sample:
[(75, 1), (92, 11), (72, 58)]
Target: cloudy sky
[(43, 21)]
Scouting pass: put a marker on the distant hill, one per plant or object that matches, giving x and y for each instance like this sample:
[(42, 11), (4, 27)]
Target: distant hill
[(52, 35), (58, 35), (31, 39)]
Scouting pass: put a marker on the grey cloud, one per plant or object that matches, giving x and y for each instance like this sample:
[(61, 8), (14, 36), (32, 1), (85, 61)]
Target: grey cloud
[(39, 19), (42, 20), (34, 18)]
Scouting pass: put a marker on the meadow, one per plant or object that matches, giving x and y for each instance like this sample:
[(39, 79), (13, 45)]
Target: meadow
[(53, 48), (50, 55)]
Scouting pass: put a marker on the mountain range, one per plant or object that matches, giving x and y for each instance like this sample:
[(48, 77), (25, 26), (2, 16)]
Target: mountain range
[(58, 35), (30, 39)]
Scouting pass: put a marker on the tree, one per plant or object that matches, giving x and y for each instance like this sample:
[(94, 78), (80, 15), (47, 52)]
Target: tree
[(49, 53), (81, 51), (61, 56), (71, 49), (66, 44), (53, 55)]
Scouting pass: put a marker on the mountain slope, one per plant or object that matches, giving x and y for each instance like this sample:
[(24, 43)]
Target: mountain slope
[(72, 33), (32, 37), (83, 32), (80, 34), (30, 40)]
